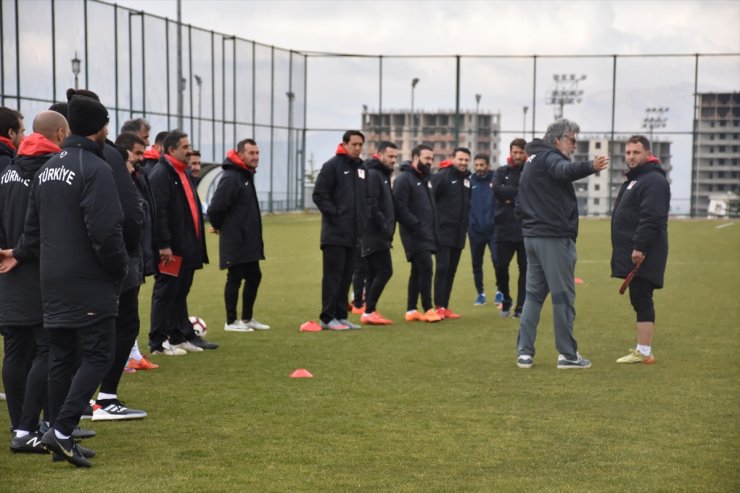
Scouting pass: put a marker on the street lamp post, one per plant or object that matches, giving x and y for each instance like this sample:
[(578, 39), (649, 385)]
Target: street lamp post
[(199, 82), (412, 136), (654, 119), (524, 121), (477, 122), (291, 182), (76, 69)]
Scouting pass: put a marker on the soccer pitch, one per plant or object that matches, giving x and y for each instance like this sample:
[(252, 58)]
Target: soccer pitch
[(432, 407)]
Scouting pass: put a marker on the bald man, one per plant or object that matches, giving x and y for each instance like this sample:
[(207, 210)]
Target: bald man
[(25, 367)]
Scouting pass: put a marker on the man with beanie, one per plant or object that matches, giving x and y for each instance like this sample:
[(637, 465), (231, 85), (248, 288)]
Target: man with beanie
[(11, 134), (549, 210), (416, 213), (74, 227), (26, 362), (181, 240), (235, 215), (481, 228), (340, 194)]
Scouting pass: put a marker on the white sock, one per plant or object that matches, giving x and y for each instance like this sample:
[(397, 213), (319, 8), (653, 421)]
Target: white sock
[(102, 396), (135, 354), (411, 311), (21, 433), (644, 350), (60, 436)]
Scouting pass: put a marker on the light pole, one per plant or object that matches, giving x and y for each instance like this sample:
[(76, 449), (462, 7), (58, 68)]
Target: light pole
[(524, 121), (654, 119), (566, 92), (477, 122), (199, 82), (291, 183), (76, 69), (412, 137)]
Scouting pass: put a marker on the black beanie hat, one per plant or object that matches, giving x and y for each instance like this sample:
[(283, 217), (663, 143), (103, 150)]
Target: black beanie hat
[(86, 116)]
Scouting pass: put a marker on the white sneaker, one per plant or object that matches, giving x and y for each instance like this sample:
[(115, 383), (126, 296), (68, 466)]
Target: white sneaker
[(255, 325), (237, 326), (187, 346), (170, 351)]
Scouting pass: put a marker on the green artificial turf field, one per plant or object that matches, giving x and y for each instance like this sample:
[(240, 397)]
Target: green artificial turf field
[(432, 407)]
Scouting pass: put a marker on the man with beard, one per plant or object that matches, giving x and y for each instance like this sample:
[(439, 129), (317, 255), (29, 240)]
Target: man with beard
[(417, 216), (640, 237), (154, 153), (235, 215), (509, 228), (26, 362), (549, 211), (451, 187), (481, 229), (11, 134), (381, 225), (194, 165), (74, 227)]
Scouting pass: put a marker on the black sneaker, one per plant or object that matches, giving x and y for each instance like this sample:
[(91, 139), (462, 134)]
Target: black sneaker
[(29, 444), (82, 433), (506, 308), (198, 341), (113, 409), (85, 452), (65, 448), (518, 313)]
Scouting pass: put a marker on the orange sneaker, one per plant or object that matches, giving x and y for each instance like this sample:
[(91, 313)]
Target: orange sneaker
[(132, 363), (450, 314), (374, 318), (440, 311), (146, 364), (415, 316), (358, 311), (432, 315)]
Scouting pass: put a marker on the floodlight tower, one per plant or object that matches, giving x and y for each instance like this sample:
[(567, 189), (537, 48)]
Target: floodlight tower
[(654, 119), (566, 92)]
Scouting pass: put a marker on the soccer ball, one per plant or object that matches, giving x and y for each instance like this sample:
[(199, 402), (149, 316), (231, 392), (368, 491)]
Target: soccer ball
[(199, 326)]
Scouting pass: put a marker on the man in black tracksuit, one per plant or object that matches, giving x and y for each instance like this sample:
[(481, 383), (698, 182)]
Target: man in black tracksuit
[(509, 238), (340, 194), (26, 362), (381, 225), (234, 213), (416, 213), (451, 186), (74, 226), (640, 237), (179, 233), (11, 134)]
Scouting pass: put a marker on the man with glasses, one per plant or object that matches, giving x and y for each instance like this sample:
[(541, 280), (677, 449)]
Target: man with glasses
[(549, 211)]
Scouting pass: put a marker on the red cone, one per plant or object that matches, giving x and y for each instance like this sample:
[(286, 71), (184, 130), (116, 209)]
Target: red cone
[(301, 373)]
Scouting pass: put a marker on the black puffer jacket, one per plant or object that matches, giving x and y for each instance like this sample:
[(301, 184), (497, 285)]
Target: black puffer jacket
[(20, 289), (235, 212), (640, 222), (340, 194), (546, 201), (416, 211), (174, 227), (451, 189), (505, 188), (381, 224), (6, 155), (74, 226)]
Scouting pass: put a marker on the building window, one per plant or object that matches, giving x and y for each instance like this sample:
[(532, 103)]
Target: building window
[(597, 201), (597, 187), (597, 145)]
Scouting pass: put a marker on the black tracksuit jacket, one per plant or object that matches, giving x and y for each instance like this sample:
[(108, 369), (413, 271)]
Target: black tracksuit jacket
[(640, 222), (416, 212), (74, 227), (505, 187), (6, 155), (451, 188), (235, 212), (381, 224)]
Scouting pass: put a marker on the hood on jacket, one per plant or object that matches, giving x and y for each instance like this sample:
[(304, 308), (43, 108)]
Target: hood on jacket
[(445, 164), (539, 146), (37, 145), (645, 168), (233, 159), (376, 163), (152, 154)]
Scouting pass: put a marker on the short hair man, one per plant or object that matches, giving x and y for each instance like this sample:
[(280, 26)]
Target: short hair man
[(451, 188), (180, 238), (194, 166), (481, 228), (138, 126), (12, 131), (21, 318), (549, 210), (74, 227), (340, 193), (154, 153), (381, 226), (509, 228), (417, 217), (234, 213), (640, 238)]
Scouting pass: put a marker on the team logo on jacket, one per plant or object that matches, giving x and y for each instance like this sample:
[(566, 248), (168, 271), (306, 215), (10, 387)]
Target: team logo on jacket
[(632, 184), (62, 154), (246, 183), (361, 173), (429, 184), (346, 172), (466, 183), (531, 158)]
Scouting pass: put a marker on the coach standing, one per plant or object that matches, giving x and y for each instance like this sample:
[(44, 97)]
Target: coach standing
[(549, 210), (640, 237), (340, 194)]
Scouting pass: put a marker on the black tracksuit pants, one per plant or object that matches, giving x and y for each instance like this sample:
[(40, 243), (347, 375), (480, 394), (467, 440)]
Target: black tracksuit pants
[(478, 244), (379, 272), (360, 281), (251, 274), (127, 329), (448, 259), (420, 281), (170, 309), (25, 371), (338, 265), (69, 390), (506, 251)]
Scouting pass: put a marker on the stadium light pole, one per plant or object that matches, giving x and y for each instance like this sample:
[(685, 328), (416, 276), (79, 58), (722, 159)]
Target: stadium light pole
[(199, 82), (76, 69), (524, 121), (566, 92), (654, 119), (412, 137), (477, 122)]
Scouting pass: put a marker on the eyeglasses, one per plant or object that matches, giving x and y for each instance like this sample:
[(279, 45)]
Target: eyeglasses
[(572, 140)]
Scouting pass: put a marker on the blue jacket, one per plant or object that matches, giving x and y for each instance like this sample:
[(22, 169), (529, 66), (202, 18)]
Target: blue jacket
[(482, 206)]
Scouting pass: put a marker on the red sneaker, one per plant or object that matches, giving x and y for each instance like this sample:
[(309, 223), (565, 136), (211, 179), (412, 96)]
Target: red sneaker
[(146, 364)]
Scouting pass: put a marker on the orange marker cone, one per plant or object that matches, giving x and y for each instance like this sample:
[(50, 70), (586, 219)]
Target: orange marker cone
[(579, 280), (310, 326), (301, 373)]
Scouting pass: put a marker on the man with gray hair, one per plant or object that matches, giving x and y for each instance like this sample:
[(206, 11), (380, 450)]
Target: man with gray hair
[(548, 209), (138, 126)]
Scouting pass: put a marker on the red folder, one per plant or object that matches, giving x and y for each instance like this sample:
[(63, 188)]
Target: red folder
[(172, 268)]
